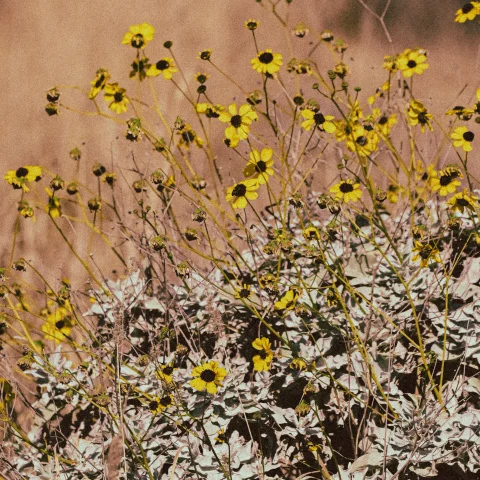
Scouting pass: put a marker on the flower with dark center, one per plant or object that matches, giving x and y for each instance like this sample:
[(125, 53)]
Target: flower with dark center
[(208, 376), (412, 62), (264, 357), (463, 138), (116, 97), (347, 191), (267, 62), (260, 165), (238, 120), (463, 200), (165, 67), (23, 175), (139, 35)]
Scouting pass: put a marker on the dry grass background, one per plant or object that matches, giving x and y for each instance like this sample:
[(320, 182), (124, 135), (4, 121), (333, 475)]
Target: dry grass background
[(53, 42)]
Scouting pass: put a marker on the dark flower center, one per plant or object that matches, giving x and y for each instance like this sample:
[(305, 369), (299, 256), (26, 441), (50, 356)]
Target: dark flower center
[(239, 190), (362, 141), (422, 118), (412, 64), (162, 65), (468, 136), (262, 354), (462, 202), (60, 324), (346, 188), (468, 7), (445, 180), (425, 252), (261, 166), (208, 376), (168, 370), (21, 172), (188, 136), (265, 57), (153, 405), (319, 119), (100, 81), (118, 97), (383, 120), (138, 41), (244, 293), (236, 121), (166, 401)]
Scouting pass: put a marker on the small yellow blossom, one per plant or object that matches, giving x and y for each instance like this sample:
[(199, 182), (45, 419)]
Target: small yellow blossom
[(208, 376), (318, 120), (289, 300), (165, 67), (417, 115), (463, 138), (23, 175), (263, 360), (425, 252), (468, 12), (116, 97), (101, 78), (260, 165), (412, 62), (58, 325), (239, 121), (445, 181), (267, 62), (462, 200), (242, 192), (347, 191), (139, 35)]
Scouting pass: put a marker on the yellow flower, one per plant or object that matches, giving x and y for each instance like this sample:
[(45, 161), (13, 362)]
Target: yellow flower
[(242, 192), (58, 324), (311, 233), (267, 62), (390, 63), (298, 364), (412, 61), (159, 404), (26, 210), (239, 121), (117, 97), (54, 209), (101, 79), (425, 252), (166, 66), (468, 12), (462, 200), (347, 191), (317, 119), (139, 35), (244, 292), (463, 138), (262, 361), (417, 115), (289, 300), (362, 141), (393, 192), (251, 24), (188, 136), (445, 181), (385, 123), (208, 376), (260, 165), (165, 372), (23, 175)]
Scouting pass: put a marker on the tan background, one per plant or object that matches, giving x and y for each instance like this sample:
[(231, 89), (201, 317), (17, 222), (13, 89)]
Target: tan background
[(63, 42)]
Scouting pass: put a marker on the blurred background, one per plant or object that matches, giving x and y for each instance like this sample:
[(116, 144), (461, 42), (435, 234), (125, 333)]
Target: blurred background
[(55, 43)]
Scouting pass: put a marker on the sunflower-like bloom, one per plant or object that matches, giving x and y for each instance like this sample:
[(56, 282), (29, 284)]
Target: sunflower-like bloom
[(239, 121), (468, 12), (463, 138), (318, 120), (361, 140), (260, 165), (384, 123), (417, 115), (241, 192), (445, 181), (116, 97), (210, 110), (311, 233), (98, 83), (347, 191), (58, 325), (139, 35), (166, 67), (289, 300), (23, 175), (165, 373), (267, 62), (263, 360), (189, 137), (462, 200), (412, 61), (159, 404), (425, 252), (244, 292), (208, 376)]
